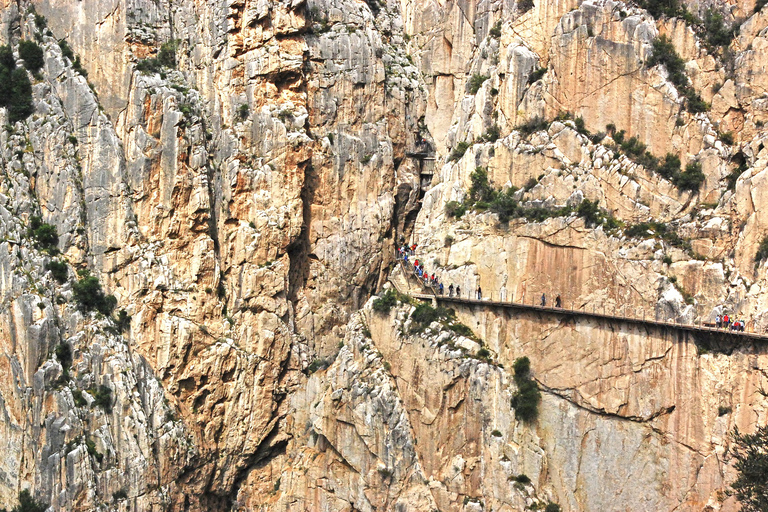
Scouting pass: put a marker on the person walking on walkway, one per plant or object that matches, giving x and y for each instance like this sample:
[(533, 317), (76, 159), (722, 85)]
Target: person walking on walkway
[(441, 288), (479, 293), (726, 320), (458, 291), (543, 300), (557, 301), (450, 290), (718, 321)]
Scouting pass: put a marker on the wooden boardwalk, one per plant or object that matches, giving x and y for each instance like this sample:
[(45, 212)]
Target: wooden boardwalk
[(584, 313)]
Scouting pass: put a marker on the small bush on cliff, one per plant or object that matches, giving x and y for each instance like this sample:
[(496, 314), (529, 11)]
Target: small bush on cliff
[(102, 397), (664, 53), (32, 55), (536, 75), (45, 236), (458, 151), (495, 30), (166, 58), (27, 504), (476, 82), (691, 179), (552, 507), (89, 295), (387, 300), (58, 270), (762, 251), (526, 399), (751, 454)]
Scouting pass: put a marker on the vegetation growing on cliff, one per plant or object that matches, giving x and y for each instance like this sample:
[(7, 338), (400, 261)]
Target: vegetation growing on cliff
[(482, 196), (525, 400), (27, 504), (15, 87), (668, 167), (45, 235), (166, 58), (762, 251), (751, 454), (89, 296), (664, 53)]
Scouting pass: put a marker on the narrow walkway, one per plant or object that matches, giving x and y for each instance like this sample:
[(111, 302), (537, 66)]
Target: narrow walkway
[(695, 328)]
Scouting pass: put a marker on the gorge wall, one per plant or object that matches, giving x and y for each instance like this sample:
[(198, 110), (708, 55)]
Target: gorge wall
[(242, 202)]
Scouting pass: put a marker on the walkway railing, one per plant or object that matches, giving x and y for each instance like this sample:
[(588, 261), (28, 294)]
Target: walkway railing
[(583, 311)]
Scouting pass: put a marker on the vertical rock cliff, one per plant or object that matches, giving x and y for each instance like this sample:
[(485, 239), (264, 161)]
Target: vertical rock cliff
[(237, 175)]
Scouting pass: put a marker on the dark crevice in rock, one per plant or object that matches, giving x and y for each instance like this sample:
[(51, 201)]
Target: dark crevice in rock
[(563, 393)]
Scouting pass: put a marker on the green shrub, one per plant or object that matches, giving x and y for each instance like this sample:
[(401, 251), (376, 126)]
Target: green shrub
[(243, 111), (166, 57), (762, 251), (455, 209), (148, 66), (524, 5), (385, 303), (716, 33), (123, 321), (483, 353), (475, 82), (15, 87), (58, 270), (461, 329), (532, 126), (102, 397), (88, 294), (19, 100), (668, 8), (495, 30), (92, 451), (66, 50), (458, 151), (119, 495), (317, 364), (522, 478), (64, 354), (552, 507), (32, 55), (492, 134), (526, 399), (590, 212), (664, 53), (536, 75), (496, 433), (727, 138), (423, 316), (504, 204), (653, 229), (741, 166), (691, 179), (7, 60), (44, 235), (750, 452), (80, 401), (480, 189), (28, 504)]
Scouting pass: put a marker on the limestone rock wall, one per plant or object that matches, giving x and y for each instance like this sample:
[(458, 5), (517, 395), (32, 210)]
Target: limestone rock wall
[(245, 202)]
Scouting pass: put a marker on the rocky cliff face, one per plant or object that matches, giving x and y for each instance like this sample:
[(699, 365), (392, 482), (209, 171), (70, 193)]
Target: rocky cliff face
[(238, 173)]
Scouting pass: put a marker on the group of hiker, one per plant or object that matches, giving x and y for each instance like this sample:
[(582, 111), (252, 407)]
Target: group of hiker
[(726, 322), (433, 281), (419, 270)]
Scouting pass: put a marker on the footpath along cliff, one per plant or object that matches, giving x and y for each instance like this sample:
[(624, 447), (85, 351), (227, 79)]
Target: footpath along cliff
[(199, 200)]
